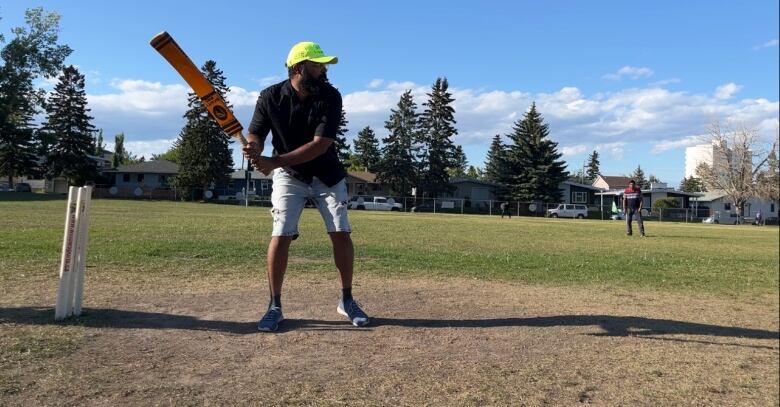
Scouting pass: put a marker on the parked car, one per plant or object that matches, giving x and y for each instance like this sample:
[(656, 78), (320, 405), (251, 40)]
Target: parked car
[(568, 211), (618, 216), (376, 203), (22, 187), (729, 219), (426, 206)]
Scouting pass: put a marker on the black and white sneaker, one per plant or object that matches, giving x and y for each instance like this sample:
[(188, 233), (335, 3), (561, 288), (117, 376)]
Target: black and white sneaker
[(353, 311), (271, 319)]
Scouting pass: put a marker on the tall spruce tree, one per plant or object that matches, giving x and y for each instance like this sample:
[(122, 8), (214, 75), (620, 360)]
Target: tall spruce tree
[(366, 155), (639, 177), (535, 170), (495, 167), (593, 166), (397, 167), (342, 146), (692, 184), (121, 156), (437, 125), (32, 53), (204, 155), (100, 146), (459, 163), (67, 118)]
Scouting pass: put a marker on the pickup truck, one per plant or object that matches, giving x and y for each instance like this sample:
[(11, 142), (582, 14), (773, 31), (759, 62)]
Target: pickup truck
[(376, 203)]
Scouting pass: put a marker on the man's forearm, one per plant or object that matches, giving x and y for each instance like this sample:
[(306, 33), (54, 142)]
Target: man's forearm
[(302, 154)]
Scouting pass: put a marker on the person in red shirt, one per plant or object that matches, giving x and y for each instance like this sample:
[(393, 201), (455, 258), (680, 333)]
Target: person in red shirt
[(632, 205)]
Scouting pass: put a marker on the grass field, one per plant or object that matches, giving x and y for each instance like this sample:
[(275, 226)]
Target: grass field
[(467, 310), (150, 239)]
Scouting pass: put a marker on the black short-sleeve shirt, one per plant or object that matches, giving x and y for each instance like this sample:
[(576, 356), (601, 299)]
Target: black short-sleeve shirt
[(293, 123)]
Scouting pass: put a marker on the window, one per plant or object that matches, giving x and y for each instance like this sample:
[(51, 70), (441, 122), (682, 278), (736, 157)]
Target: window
[(126, 177), (727, 206), (140, 177), (163, 180), (568, 207), (579, 197), (772, 207)]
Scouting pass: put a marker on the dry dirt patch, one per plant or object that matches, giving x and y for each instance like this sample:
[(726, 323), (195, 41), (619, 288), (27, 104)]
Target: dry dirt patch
[(433, 342)]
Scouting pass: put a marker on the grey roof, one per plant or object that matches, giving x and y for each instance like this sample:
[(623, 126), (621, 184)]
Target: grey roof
[(150, 167), (473, 180), (587, 186), (710, 196)]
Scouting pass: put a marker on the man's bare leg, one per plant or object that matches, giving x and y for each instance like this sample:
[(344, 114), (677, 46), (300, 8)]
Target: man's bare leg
[(344, 256), (278, 253)]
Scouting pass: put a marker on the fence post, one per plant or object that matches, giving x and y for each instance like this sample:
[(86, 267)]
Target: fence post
[(461, 205), (434, 205), (490, 207)]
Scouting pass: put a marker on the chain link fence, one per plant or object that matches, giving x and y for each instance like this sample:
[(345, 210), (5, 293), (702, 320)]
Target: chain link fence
[(417, 205)]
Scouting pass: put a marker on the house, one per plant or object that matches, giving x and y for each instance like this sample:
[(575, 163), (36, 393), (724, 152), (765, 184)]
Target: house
[(148, 174), (364, 183), (577, 193), (719, 202), (259, 184), (608, 182), (657, 190), (472, 189)]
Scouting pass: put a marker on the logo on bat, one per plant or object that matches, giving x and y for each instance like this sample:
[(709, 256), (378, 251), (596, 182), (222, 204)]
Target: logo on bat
[(219, 112)]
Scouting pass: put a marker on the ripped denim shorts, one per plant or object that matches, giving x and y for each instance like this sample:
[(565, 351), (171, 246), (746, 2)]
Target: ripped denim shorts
[(289, 196)]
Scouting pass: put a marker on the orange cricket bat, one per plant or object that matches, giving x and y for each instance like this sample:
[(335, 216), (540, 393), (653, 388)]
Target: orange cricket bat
[(170, 50)]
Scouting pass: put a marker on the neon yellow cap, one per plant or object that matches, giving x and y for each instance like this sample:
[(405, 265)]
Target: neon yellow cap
[(308, 51)]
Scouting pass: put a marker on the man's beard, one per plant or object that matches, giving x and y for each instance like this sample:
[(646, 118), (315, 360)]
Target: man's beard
[(311, 84)]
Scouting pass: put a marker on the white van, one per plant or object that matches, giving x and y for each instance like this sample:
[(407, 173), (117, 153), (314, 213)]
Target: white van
[(568, 211)]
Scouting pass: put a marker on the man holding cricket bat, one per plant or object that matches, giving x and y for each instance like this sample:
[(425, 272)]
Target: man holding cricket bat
[(303, 114)]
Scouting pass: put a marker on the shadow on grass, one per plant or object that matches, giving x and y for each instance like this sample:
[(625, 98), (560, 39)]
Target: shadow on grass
[(30, 196), (615, 326)]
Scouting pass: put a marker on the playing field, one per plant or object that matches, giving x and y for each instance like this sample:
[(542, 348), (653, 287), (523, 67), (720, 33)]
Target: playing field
[(468, 310)]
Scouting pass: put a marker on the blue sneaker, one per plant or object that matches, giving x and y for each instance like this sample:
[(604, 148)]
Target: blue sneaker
[(271, 320), (352, 311)]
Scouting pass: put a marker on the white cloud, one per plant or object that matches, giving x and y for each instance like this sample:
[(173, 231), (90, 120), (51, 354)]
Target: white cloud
[(769, 44), (665, 82), (375, 83), (268, 80), (666, 145), (632, 72), (727, 91), (574, 150)]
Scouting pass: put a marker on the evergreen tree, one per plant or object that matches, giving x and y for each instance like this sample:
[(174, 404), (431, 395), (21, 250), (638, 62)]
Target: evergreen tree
[(495, 167), (593, 166), (67, 118), (100, 147), (437, 129), (366, 155), (535, 170), (652, 179), (342, 147), (474, 172), (459, 163), (639, 177), (397, 167), (31, 54), (204, 155), (121, 156), (692, 184)]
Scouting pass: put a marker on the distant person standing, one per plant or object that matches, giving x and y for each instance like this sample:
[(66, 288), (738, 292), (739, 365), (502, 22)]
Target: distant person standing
[(759, 218), (505, 210), (632, 205)]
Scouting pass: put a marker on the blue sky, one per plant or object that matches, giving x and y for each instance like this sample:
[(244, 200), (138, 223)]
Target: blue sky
[(637, 81)]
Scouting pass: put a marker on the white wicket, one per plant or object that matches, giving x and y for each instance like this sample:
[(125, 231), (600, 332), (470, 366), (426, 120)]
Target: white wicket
[(74, 253)]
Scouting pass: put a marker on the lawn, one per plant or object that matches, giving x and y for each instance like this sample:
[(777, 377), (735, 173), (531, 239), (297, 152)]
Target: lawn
[(168, 240)]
